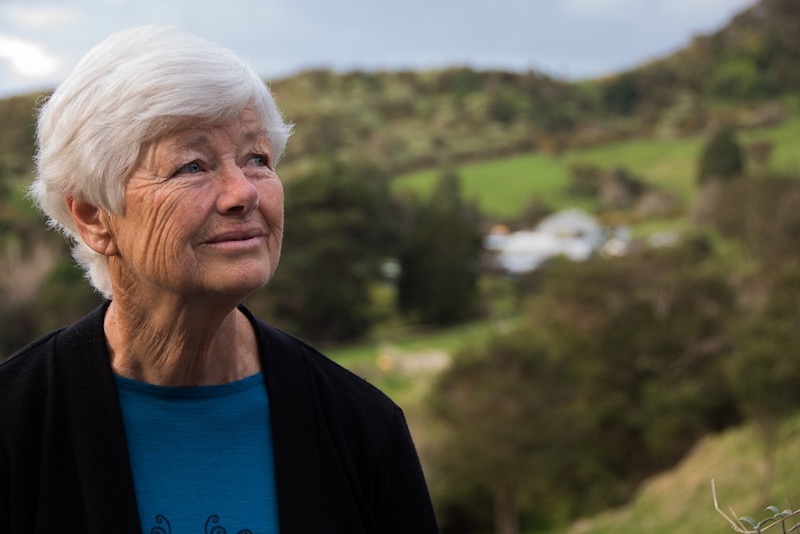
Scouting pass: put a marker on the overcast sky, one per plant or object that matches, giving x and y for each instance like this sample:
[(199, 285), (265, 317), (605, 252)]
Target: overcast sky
[(41, 40)]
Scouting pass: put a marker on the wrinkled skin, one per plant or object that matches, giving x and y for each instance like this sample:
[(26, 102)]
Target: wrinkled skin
[(198, 193), (201, 229)]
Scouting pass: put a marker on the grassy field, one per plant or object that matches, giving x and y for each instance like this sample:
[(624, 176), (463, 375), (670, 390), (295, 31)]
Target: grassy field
[(668, 164), (406, 344), (786, 140), (503, 187)]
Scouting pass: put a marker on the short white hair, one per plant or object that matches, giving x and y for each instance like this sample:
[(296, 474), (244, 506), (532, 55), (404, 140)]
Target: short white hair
[(127, 92)]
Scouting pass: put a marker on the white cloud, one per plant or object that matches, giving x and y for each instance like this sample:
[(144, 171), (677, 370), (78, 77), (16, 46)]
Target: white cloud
[(27, 58), (38, 17)]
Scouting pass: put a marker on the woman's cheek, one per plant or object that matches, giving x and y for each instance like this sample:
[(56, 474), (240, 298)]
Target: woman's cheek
[(163, 239)]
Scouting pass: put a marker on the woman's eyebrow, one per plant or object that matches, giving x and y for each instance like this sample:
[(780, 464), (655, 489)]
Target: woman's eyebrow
[(260, 134), (192, 141), (198, 141)]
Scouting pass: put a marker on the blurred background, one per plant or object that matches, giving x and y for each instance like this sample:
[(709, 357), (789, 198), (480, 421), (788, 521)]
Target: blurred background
[(563, 236)]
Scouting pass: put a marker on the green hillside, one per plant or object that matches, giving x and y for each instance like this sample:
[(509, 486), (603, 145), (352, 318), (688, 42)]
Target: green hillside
[(503, 186), (643, 342), (680, 501)]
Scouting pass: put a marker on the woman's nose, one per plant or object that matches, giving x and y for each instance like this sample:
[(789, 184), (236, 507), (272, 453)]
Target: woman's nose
[(238, 195)]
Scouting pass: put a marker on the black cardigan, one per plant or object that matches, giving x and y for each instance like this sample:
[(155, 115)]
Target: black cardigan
[(344, 460)]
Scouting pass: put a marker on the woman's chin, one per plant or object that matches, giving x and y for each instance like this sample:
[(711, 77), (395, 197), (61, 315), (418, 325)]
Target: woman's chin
[(238, 286)]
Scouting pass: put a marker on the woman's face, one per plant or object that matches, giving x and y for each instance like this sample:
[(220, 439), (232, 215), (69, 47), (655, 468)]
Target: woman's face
[(203, 214)]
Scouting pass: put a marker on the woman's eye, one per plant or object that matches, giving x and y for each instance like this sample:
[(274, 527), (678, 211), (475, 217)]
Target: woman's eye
[(190, 168), (259, 160)]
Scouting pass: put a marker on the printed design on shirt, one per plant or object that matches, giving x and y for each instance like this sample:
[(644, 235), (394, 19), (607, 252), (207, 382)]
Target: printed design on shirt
[(211, 526)]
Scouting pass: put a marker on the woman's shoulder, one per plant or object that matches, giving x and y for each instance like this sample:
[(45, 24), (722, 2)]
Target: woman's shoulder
[(30, 365), (325, 372), (25, 378), (28, 358), (293, 362)]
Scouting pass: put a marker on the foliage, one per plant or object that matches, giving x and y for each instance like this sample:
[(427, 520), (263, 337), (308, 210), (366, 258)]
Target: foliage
[(762, 369), (754, 56), (16, 136), (764, 378), (621, 94), (500, 403), (679, 501), (340, 224), (722, 157), (65, 297), (618, 368), (410, 120), (407, 120), (614, 376), (584, 180), (741, 79), (646, 334), (748, 525), (58, 296), (438, 284), (763, 215), (613, 188)]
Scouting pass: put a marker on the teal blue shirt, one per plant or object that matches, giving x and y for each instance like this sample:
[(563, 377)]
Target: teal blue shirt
[(201, 457)]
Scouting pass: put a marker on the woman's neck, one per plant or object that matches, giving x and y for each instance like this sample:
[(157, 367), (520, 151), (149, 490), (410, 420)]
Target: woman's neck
[(179, 345)]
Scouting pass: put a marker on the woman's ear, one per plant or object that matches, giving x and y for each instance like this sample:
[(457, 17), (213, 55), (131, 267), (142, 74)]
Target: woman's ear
[(94, 226)]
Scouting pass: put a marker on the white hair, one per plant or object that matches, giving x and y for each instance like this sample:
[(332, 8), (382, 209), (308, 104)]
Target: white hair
[(130, 90)]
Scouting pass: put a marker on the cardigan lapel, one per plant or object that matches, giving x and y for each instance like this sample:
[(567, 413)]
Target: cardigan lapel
[(100, 449), (298, 466), (97, 433)]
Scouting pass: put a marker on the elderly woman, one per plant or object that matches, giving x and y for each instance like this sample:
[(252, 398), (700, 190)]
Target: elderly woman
[(171, 408)]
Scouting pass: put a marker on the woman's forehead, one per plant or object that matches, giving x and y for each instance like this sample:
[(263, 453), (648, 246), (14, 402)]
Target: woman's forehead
[(245, 129)]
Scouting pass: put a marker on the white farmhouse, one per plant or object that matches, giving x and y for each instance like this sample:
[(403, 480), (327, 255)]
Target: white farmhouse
[(571, 233)]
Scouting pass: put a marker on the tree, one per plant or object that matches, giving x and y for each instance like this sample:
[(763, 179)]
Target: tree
[(613, 375), (439, 259), (722, 157), (17, 136), (340, 225), (643, 338), (740, 78), (644, 331), (499, 403), (782, 18), (762, 215), (621, 95), (764, 369)]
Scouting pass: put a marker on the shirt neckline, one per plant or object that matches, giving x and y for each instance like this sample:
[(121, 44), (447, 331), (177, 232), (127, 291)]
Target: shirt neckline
[(216, 390)]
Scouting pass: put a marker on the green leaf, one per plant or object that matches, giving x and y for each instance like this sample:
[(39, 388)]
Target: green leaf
[(749, 520)]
